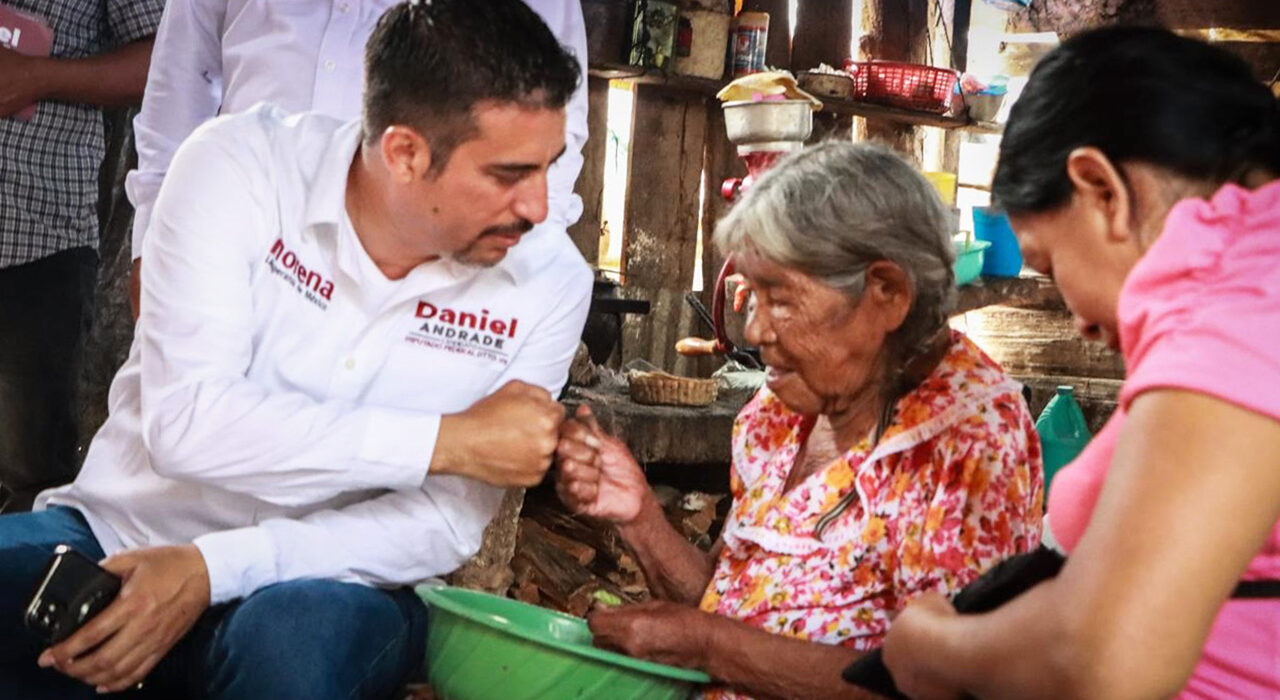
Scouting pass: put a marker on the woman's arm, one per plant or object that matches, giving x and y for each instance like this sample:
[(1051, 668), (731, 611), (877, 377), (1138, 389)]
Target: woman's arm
[(675, 569), (599, 478), (1193, 491), (749, 660)]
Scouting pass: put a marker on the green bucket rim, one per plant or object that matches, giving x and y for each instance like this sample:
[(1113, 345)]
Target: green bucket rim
[(439, 596)]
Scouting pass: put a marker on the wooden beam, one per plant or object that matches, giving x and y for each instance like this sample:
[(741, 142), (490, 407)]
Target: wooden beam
[(1235, 14), (1217, 34), (590, 186), (662, 215)]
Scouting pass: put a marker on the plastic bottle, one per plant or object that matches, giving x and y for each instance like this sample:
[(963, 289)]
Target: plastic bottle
[(1063, 432)]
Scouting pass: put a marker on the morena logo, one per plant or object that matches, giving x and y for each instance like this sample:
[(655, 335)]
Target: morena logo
[(466, 319), (308, 278)]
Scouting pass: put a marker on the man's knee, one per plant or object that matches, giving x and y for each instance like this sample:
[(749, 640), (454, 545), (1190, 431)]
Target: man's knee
[(315, 639)]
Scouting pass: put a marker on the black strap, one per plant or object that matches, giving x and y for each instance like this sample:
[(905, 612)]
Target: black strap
[(1268, 588)]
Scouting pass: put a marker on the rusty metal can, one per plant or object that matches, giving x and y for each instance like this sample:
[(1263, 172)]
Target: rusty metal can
[(750, 38)]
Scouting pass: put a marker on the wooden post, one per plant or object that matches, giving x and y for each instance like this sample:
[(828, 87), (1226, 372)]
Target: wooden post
[(824, 30), (662, 222), (721, 163), (958, 24), (896, 30), (590, 187)]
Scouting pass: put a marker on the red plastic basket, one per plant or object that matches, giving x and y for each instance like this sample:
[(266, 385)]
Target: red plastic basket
[(905, 85)]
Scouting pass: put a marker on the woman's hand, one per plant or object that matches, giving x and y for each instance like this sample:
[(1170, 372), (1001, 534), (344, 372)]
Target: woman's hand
[(660, 631), (598, 476), (906, 648)]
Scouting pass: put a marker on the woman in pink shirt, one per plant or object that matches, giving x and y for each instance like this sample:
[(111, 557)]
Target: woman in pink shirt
[(1139, 170)]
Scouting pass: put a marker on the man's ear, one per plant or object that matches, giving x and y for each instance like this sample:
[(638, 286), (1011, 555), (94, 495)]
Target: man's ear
[(1101, 193), (405, 153)]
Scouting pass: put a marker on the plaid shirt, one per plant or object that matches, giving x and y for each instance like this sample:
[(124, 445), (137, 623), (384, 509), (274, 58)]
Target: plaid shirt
[(49, 165)]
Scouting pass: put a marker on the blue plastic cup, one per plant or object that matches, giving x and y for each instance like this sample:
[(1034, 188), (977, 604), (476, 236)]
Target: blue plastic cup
[(1003, 259)]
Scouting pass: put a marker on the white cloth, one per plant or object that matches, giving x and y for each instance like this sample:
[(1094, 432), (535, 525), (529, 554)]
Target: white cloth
[(282, 398), (222, 56)]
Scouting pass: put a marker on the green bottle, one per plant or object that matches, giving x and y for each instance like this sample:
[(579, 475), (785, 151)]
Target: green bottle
[(1063, 432)]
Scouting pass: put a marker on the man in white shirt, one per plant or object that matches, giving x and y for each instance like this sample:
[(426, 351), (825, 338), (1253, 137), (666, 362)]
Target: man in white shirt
[(342, 358), (216, 57)]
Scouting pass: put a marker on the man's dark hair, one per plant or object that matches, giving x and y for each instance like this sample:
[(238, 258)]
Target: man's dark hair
[(430, 62), (1136, 94)]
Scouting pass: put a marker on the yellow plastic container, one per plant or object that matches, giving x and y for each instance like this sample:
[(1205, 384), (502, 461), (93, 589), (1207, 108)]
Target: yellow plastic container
[(945, 184)]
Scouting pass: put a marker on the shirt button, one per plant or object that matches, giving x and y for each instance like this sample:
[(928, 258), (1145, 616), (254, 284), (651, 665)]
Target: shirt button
[(344, 8), (350, 363), (329, 65)]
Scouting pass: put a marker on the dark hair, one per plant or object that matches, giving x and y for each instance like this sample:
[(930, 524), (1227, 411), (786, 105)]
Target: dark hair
[(1136, 94), (430, 62)]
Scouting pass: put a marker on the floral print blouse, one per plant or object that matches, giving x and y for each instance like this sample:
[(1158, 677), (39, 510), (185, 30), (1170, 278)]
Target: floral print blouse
[(953, 487)]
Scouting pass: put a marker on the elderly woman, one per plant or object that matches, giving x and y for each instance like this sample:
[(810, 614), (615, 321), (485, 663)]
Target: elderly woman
[(887, 456), (1142, 170)]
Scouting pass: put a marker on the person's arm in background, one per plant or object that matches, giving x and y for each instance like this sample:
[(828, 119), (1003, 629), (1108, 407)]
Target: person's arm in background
[(564, 18), (111, 79), (184, 90), (1177, 522)]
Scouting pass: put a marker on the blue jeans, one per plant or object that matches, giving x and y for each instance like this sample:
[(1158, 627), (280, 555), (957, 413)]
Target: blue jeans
[(302, 639)]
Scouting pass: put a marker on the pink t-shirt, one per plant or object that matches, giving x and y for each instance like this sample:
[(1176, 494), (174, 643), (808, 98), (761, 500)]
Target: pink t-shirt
[(1201, 311)]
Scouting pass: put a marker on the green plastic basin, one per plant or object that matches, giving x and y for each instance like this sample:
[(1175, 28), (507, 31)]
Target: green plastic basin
[(483, 647), (968, 265)]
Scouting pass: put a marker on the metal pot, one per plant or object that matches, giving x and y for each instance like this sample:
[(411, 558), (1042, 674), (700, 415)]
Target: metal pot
[(750, 123)]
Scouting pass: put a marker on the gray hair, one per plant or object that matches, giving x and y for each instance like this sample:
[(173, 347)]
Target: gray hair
[(831, 210)]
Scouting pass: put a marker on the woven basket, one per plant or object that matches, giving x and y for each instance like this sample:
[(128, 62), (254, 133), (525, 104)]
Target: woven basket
[(660, 388)]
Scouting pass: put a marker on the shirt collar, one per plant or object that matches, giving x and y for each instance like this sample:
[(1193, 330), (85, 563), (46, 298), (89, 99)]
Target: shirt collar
[(327, 201)]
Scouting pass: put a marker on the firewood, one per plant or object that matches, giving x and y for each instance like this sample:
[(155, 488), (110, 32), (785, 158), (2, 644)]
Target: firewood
[(583, 553)]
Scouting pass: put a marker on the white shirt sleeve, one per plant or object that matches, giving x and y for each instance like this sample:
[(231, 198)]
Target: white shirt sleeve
[(403, 537), (203, 419), (564, 18), (184, 90)]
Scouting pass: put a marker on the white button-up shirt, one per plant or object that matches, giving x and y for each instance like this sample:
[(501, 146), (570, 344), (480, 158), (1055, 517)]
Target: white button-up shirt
[(282, 398), (223, 56)]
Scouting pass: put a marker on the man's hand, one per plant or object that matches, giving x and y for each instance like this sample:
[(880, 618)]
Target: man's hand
[(598, 476), (669, 633), (908, 637), (505, 439), (21, 86), (165, 590)]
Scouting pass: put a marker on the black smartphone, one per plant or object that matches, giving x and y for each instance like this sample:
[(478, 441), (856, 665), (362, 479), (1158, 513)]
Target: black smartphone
[(71, 591)]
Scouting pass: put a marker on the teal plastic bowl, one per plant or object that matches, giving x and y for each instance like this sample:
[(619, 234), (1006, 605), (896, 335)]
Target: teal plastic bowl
[(483, 647), (968, 265)]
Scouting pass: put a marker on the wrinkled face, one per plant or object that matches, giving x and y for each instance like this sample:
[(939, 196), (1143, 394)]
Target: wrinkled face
[(822, 348), (493, 189)]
